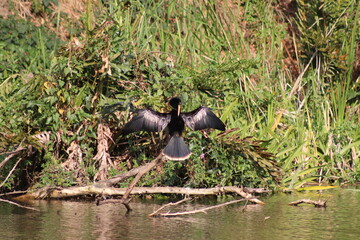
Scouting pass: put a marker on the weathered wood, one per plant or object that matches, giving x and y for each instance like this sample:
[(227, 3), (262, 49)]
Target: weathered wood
[(317, 204), (58, 193)]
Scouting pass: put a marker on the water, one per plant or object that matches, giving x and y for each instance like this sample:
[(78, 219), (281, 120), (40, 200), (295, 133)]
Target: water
[(275, 220)]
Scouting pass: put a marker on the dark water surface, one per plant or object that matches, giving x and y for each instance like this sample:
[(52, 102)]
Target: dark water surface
[(275, 220)]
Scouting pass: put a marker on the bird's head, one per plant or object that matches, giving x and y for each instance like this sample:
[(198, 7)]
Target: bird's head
[(175, 103)]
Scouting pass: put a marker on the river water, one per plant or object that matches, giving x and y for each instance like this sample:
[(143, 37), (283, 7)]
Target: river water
[(276, 220)]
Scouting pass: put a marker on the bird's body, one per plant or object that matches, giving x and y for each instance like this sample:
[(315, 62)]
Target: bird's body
[(152, 121), (176, 125)]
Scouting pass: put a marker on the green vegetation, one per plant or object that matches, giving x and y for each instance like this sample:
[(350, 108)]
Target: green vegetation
[(286, 75)]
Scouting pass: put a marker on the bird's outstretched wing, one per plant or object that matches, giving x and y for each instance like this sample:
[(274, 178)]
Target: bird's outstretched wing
[(147, 120), (202, 118)]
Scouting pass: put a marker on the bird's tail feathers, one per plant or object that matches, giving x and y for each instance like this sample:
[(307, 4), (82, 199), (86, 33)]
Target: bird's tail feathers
[(177, 149)]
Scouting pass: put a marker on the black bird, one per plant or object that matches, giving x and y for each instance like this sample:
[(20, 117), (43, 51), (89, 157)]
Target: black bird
[(152, 121)]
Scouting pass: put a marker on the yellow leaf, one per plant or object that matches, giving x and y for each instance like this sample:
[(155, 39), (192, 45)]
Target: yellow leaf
[(316, 188)]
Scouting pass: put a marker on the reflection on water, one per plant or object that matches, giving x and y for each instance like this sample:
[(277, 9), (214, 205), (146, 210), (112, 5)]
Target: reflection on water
[(275, 220)]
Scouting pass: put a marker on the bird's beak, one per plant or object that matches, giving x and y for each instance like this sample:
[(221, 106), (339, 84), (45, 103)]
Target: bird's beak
[(179, 109)]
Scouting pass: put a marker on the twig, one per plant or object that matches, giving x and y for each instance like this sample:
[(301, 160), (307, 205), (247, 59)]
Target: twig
[(19, 205), (168, 205), (12, 170), (12, 154), (13, 193), (317, 204), (202, 210)]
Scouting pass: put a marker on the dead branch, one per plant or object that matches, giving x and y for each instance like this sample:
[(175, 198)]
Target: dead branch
[(19, 205), (202, 210), (125, 198), (71, 192), (154, 214), (123, 176), (317, 204), (12, 152), (141, 173), (13, 193), (18, 150)]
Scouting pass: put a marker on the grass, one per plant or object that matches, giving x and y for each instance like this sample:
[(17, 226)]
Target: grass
[(231, 56)]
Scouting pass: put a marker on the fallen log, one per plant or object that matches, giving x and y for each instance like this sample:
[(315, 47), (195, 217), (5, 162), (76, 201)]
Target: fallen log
[(92, 190)]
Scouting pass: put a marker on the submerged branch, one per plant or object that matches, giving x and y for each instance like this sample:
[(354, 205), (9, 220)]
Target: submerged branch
[(317, 204), (202, 210), (19, 205), (157, 212)]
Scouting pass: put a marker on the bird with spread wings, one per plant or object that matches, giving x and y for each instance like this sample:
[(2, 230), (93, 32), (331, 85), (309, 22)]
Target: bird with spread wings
[(152, 121)]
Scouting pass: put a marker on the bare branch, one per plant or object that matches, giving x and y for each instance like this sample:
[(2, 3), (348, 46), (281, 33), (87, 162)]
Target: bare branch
[(125, 198), (154, 214), (317, 204), (12, 154), (13, 193), (12, 170), (19, 205), (202, 210)]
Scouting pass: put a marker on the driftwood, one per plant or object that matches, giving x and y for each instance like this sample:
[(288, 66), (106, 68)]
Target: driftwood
[(317, 204), (71, 192), (202, 210)]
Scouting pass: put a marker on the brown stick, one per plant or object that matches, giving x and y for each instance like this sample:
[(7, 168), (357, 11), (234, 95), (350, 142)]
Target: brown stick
[(18, 150), (152, 164), (317, 204), (13, 193), (202, 210), (11, 171)]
